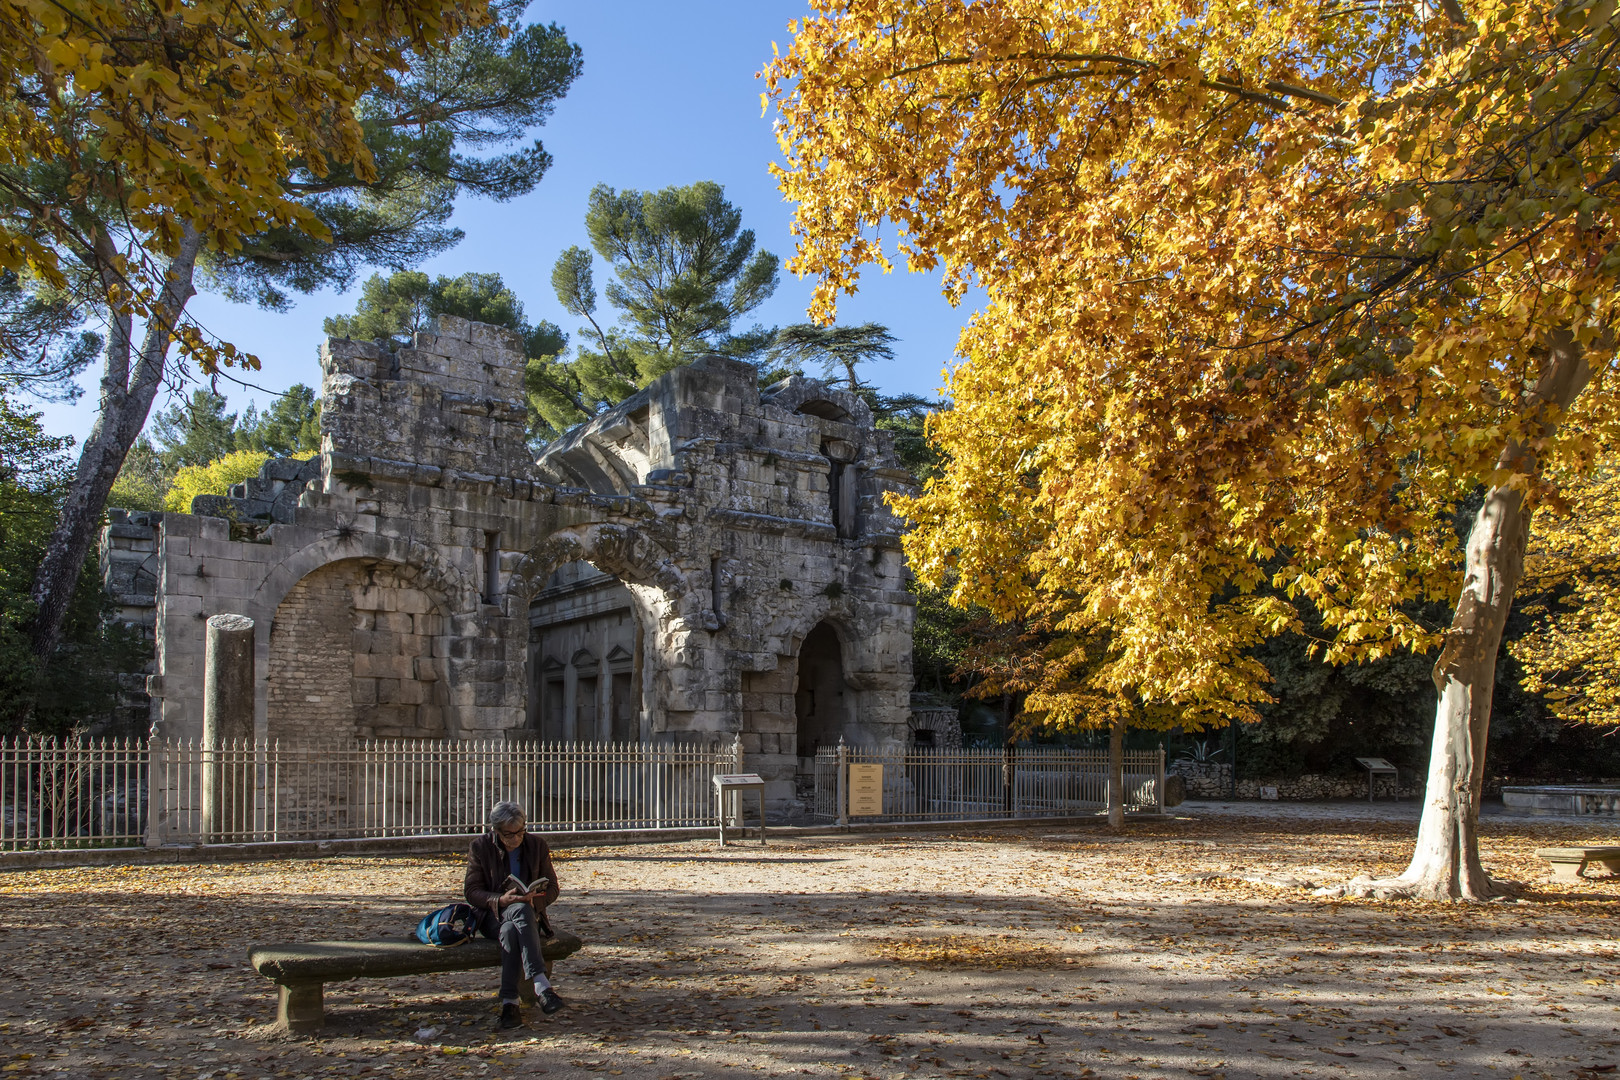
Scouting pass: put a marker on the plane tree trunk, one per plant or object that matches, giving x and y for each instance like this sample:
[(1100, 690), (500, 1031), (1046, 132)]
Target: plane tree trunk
[(1116, 773), (1445, 862)]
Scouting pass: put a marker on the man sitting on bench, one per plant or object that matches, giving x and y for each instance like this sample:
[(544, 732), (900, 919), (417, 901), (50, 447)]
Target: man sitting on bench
[(512, 916)]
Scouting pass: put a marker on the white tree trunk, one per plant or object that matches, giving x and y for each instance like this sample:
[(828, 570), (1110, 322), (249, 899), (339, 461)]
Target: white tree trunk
[(1116, 774), (1445, 862), (126, 399)]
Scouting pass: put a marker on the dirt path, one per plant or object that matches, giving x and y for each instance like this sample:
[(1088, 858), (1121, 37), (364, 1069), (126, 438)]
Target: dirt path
[(995, 955)]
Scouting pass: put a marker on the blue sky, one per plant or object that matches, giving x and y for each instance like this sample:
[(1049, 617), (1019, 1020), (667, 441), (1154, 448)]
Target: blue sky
[(668, 96)]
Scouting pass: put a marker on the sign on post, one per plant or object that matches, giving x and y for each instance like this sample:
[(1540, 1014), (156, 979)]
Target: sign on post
[(1376, 767), (734, 784), (865, 790)]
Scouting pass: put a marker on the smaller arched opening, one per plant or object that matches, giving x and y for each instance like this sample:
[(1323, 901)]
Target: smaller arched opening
[(822, 699)]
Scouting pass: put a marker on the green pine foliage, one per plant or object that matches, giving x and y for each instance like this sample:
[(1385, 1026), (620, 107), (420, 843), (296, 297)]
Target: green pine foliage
[(197, 433), (489, 89), (685, 273), (43, 346), (290, 427), (838, 350), (194, 430), (80, 685)]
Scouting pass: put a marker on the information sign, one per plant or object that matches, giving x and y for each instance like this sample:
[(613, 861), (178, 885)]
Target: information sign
[(738, 780), (865, 790)]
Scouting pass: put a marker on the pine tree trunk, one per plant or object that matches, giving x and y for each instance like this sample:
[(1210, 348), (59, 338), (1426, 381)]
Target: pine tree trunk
[(1116, 774), (125, 400), (1445, 861)]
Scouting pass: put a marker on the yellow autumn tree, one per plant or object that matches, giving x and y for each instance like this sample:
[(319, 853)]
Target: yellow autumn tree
[(1571, 655), (206, 106), (1270, 289), (214, 478)]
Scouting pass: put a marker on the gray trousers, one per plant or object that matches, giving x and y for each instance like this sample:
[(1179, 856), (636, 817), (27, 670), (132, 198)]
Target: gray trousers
[(518, 931)]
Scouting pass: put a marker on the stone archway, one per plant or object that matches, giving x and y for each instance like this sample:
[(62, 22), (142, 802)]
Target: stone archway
[(822, 697), (598, 594), (352, 654), (804, 701)]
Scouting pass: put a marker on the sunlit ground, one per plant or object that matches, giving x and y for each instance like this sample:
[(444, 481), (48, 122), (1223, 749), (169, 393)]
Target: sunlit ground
[(998, 953)]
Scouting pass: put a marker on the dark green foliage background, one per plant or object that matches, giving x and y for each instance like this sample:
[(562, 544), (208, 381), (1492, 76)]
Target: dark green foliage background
[(80, 685)]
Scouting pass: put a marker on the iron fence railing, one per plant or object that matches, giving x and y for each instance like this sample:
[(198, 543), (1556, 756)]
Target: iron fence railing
[(106, 793), (80, 793), (967, 785)]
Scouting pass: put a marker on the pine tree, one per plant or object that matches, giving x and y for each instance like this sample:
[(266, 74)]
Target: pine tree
[(685, 272)]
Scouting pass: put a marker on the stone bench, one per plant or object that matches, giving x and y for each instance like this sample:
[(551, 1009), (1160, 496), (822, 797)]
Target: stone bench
[(300, 970), (1568, 862)]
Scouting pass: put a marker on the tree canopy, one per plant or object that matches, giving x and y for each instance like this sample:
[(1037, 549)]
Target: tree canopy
[(1571, 653), (290, 427), (196, 433), (257, 150), (35, 469), (685, 272), (839, 350), (1269, 292)]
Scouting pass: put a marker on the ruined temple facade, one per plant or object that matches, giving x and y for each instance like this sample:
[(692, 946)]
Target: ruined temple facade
[(704, 560)]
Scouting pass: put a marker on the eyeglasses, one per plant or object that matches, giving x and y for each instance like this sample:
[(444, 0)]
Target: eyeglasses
[(519, 831)]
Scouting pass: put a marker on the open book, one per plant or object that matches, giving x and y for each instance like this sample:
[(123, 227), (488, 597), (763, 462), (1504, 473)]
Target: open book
[(539, 885)]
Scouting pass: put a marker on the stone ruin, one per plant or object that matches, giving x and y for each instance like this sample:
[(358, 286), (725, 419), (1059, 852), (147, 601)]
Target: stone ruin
[(705, 560)]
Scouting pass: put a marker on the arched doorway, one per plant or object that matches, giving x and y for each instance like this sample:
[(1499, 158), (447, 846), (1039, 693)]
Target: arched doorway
[(352, 656), (822, 700), (583, 643)]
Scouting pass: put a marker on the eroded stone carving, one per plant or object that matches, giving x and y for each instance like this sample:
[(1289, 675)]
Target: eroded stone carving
[(725, 525)]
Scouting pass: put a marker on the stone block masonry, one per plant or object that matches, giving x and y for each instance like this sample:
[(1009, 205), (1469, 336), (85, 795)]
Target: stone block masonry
[(419, 576)]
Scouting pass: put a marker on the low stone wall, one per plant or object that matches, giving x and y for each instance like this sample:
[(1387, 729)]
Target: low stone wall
[(1562, 799), (1214, 781), (1495, 784)]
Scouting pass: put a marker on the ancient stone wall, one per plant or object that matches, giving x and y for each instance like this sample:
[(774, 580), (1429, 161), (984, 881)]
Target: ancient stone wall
[(1213, 780), (735, 522)]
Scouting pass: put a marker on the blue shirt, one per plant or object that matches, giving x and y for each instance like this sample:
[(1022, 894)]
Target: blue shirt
[(514, 863)]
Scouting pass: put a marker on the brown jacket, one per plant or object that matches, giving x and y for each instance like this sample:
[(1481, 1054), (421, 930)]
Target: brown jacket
[(487, 870)]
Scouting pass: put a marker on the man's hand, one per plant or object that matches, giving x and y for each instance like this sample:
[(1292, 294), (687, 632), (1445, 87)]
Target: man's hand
[(510, 897)]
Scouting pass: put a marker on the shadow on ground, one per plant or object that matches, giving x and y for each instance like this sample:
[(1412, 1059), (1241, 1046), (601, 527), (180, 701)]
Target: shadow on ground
[(985, 954)]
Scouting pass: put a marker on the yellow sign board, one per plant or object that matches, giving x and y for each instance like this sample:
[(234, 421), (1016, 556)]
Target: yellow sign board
[(865, 790)]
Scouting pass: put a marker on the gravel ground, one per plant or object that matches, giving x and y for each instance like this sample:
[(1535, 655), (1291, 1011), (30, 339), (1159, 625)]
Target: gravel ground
[(985, 953)]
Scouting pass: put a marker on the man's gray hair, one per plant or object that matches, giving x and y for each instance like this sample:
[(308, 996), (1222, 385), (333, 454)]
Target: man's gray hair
[(505, 813)]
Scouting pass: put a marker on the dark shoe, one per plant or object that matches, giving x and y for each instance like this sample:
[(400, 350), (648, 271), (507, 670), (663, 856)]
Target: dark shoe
[(511, 1016), (550, 1002)]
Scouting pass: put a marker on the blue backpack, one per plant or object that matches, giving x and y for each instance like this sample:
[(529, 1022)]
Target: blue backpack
[(452, 925)]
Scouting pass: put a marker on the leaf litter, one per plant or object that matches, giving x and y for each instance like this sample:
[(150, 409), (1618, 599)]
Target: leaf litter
[(1174, 950)]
